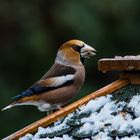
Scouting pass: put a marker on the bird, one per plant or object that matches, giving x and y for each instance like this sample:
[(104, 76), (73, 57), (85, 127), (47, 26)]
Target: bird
[(62, 81)]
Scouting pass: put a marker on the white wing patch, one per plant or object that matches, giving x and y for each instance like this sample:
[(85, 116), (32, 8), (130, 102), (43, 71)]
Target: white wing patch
[(58, 81)]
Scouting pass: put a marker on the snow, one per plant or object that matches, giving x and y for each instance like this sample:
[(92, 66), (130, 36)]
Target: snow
[(135, 105), (95, 105), (127, 57), (102, 136), (106, 119), (30, 137), (129, 138), (136, 124)]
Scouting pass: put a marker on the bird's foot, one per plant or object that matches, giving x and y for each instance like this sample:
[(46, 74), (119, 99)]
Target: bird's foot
[(59, 107)]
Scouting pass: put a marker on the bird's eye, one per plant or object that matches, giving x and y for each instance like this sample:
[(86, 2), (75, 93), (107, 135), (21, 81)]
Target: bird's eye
[(76, 48)]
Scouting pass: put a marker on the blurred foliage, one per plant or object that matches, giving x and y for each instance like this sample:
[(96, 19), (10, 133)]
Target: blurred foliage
[(31, 32)]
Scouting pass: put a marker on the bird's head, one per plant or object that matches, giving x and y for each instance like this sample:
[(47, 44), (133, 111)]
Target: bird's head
[(74, 51)]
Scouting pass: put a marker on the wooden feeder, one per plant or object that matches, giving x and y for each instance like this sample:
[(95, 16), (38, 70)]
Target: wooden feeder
[(129, 67)]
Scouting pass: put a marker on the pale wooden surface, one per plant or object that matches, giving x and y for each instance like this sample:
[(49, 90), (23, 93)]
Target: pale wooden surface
[(68, 109), (119, 63)]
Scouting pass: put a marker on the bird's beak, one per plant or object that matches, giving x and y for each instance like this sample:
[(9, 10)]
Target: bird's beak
[(87, 51)]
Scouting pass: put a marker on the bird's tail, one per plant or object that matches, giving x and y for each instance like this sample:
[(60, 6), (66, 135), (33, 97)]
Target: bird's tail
[(9, 106)]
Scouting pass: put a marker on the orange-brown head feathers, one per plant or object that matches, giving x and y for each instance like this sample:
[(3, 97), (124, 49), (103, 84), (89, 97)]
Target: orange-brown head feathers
[(73, 51)]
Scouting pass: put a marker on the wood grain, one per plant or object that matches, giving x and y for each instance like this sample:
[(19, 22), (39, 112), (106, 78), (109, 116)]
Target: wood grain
[(68, 109), (118, 64)]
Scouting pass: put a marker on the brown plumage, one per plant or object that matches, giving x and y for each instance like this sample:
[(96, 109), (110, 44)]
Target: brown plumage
[(62, 82)]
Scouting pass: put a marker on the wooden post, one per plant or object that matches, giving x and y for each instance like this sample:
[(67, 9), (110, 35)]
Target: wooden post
[(68, 109)]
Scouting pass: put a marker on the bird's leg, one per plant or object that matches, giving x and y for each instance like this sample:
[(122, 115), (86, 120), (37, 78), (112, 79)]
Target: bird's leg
[(49, 112), (53, 110), (59, 107)]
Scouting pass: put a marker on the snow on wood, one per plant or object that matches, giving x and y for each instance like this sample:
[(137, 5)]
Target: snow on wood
[(102, 118)]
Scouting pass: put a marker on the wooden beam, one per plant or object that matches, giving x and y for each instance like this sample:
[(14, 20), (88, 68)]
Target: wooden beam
[(68, 109), (119, 64)]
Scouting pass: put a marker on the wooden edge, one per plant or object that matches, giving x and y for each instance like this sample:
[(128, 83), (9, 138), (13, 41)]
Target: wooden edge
[(118, 64), (68, 109)]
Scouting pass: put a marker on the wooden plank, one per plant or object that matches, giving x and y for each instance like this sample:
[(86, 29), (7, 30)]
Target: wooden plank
[(68, 109), (128, 63)]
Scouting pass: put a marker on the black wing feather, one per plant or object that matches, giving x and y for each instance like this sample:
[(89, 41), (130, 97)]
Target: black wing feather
[(38, 89)]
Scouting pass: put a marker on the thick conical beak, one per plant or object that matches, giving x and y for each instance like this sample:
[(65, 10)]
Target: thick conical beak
[(87, 51)]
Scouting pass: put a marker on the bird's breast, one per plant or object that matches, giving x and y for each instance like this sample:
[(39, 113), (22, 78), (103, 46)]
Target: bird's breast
[(80, 75)]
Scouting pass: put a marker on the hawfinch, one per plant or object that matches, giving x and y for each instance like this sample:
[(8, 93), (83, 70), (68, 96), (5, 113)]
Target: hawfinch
[(62, 82)]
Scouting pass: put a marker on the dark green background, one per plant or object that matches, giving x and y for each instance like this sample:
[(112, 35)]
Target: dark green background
[(32, 30)]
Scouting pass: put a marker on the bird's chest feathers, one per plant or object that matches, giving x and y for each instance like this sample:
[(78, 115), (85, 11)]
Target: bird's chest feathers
[(80, 75)]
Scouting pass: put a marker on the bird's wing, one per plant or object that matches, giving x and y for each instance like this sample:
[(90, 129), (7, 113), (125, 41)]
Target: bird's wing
[(58, 76)]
